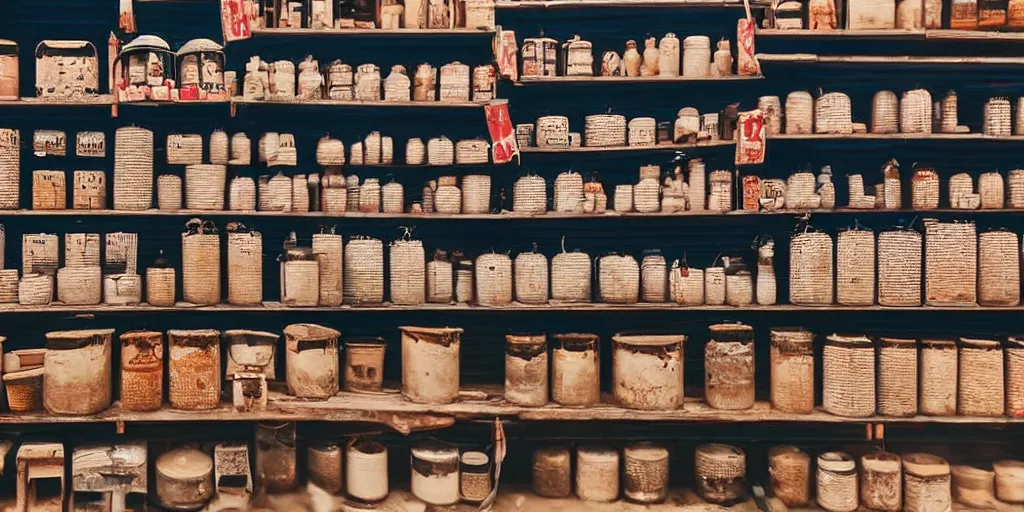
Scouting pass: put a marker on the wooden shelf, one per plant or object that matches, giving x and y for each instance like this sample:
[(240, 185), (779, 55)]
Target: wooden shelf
[(89, 101), (354, 103), (894, 34), (895, 136), (628, 4), (631, 79), (369, 32), (887, 59), (628, 149)]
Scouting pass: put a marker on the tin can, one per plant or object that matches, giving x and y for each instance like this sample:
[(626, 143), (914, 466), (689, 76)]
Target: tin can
[(647, 371), (435, 473), (575, 370), (311, 360), (430, 364), (366, 475), (526, 369)]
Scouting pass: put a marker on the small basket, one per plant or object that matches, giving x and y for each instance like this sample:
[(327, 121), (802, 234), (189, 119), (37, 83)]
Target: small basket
[(916, 112), (720, 184), (961, 192), (938, 390), (653, 278), (35, 290), (9, 286), (885, 113), (219, 144), (832, 114), (837, 482), (926, 483), (24, 390), (10, 168), (622, 202), (998, 269), (848, 376), (472, 151), (553, 132), (79, 286), (363, 281), (369, 196), (200, 268), (529, 195), (951, 263), (454, 83), (981, 389), (924, 189), (991, 190), (1014, 377), (49, 190), (440, 282), (90, 190), (329, 249), (792, 370), (204, 186), (642, 131), (415, 152), (133, 168), (604, 130), (799, 113), (476, 194), (771, 106), (184, 149), (493, 279), (950, 119), (647, 196), (160, 286), (714, 286), (811, 272), (729, 367), (392, 198), (1015, 180), (897, 377), (440, 151), (618, 279), (531, 278), (242, 194), (245, 268), (569, 193), (997, 119), (855, 268), (168, 192), (571, 277), (241, 149), (407, 272), (330, 152), (686, 285)]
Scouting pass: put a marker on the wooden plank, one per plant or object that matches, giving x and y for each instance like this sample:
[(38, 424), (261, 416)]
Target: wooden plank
[(354, 103), (369, 32), (626, 149), (888, 59), (894, 34), (629, 4), (88, 101), (894, 136), (633, 79)]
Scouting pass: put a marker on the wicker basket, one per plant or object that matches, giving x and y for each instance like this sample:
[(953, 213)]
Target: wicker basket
[(219, 144), (440, 151), (897, 377), (837, 482), (9, 286), (1015, 377), (194, 369), (848, 381), (597, 473), (729, 367), (811, 272), (714, 286), (329, 250), (81, 250), (493, 279), (924, 189), (789, 471), (472, 151), (686, 285), (926, 483), (369, 196), (899, 268), (330, 152), (24, 390), (937, 389), (618, 279), (981, 389), (721, 472), (39, 254), (961, 192), (832, 114), (948, 107), (951, 263), (885, 113), (529, 195), (622, 201), (916, 112), (855, 268), (653, 278), (142, 370), (90, 190), (168, 193), (204, 186), (160, 286), (241, 149), (571, 277), (799, 113), (184, 149), (647, 196), (454, 83), (991, 190), (642, 131), (604, 130), (122, 289), (997, 119), (392, 197), (720, 198), (881, 482), (397, 86), (569, 193), (49, 191), (1015, 184), (35, 290), (241, 194), (121, 253), (697, 56), (476, 194), (553, 132), (792, 370), (407, 272), (464, 282), (531, 278), (10, 168), (998, 269), (415, 152), (771, 106), (200, 268), (133, 168), (646, 471), (363, 281), (447, 197), (79, 285), (739, 289), (440, 285), (245, 268)]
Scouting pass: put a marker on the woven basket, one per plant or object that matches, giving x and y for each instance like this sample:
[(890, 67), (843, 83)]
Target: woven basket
[(330, 152), (848, 382), (35, 290), (604, 130), (9, 286), (356, 154), (184, 149), (997, 119), (981, 389), (553, 132), (646, 471), (242, 194), (799, 112), (899, 268), (440, 151), (885, 113), (597, 473), (334, 200), (729, 367), (352, 193), (622, 201), (924, 189), (39, 254), (789, 471), (204, 186), (571, 277), (407, 272), (720, 198), (792, 370), (10, 168), (49, 191), (472, 151), (79, 285), (241, 149), (454, 83), (647, 196), (485, 81), (397, 86), (440, 285), (464, 282), (897, 377), (493, 279), (998, 269), (686, 285), (121, 253), (369, 196), (392, 198), (531, 278), (837, 482), (653, 279), (714, 286), (160, 286), (881, 481), (739, 289), (926, 483), (771, 106), (329, 249), (916, 112), (81, 250), (799, 191), (1015, 377), (832, 114), (1015, 184), (721, 473), (569, 193), (991, 190), (90, 190), (855, 268), (951, 263), (415, 152), (24, 390), (363, 281), (949, 113), (245, 268), (133, 168), (142, 370), (476, 194), (937, 389), (122, 289), (200, 268), (194, 369), (810, 271), (219, 144), (529, 195), (697, 56), (168, 193), (642, 131), (961, 192), (618, 279)]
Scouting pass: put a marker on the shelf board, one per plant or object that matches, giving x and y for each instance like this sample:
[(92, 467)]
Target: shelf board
[(632, 79), (893, 34), (369, 32), (895, 136), (628, 149), (89, 101), (355, 103), (887, 59), (390, 408), (629, 4)]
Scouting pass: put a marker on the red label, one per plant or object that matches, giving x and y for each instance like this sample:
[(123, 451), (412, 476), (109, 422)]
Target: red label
[(503, 139), (751, 192), (684, 271), (750, 144), (745, 62), (236, 18), (506, 54)]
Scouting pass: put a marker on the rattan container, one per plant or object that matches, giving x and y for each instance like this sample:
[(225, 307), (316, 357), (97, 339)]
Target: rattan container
[(529, 195), (526, 369), (300, 191), (241, 149), (597, 473), (832, 114), (552, 472), (575, 370), (200, 268), (848, 376), (89, 190), (647, 371), (8, 286), (991, 190), (81, 249), (329, 251), (194, 369), (133, 168), (1009, 480), (77, 371), (642, 131), (440, 281), (645, 472), (622, 201), (647, 196), (160, 286), (430, 364), (792, 370), (447, 197), (324, 463), (951, 268), (245, 268), (568, 193), (311, 360), (1015, 186), (24, 390), (122, 289), (720, 471), (938, 391), (789, 472), (476, 193), (493, 279), (810, 269), (79, 286), (799, 113), (855, 267), (184, 149), (553, 132), (363, 281), (729, 367), (897, 377), (407, 276), (697, 56), (571, 277), (531, 278), (885, 113), (997, 118), (10, 168), (837, 482), (142, 370), (168, 192), (998, 268), (653, 278), (949, 120), (974, 486), (464, 282), (899, 268), (720, 184), (686, 285), (1014, 376), (300, 278), (618, 279), (49, 190), (881, 481), (472, 151), (369, 196), (440, 151), (219, 144), (415, 152), (981, 384), (604, 130), (926, 483), (714, 286), (924, 189), (916, 112), (392, 198), (454, 83), (771, 106)]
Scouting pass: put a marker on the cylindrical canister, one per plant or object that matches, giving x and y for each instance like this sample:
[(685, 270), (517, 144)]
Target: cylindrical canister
[(646, 472), (981, 386), (937, 389), (142, 370), (493, 279), (897, 376), (311, 360), (194, 369), (899, 268), (363, 281), (729, 367), (324, 463), (1009, 480), (926, 483), (435, 473), (810, 269), (855, 267), (430, 364), (407, 272), (364, 365), (245, 268), (531, 278), (881, 481), (474, 476), (1014, 376), (76, 371), (276, 466), (789, 470), (792, 370), (974, 486), (366, 471), (837, 482), (998, 268), (526, 369), (184, 479), (647, 371), (597, 473), (721, 473), (848, 375), (160, 286), (575, 370), (329, 250), (200, 268), (552, 472)]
